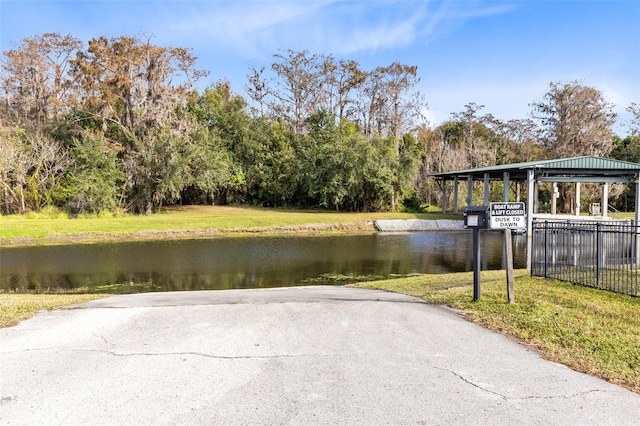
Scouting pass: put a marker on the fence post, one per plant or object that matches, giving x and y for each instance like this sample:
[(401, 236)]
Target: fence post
[(598, 254), (546, 250)]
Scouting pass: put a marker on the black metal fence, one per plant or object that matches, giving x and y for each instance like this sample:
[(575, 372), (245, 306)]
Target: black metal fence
[(600, 254)]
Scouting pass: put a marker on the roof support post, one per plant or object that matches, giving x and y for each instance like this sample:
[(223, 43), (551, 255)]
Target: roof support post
[(505, 184), (637, 218), (554, 199), (636, 245), (530, 202), (444, 196), (577, 198), (605, 199), (486, 189), (469, 190), (455, 195)]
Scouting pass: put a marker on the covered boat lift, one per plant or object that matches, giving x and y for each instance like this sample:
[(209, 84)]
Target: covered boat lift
[(574, 170)]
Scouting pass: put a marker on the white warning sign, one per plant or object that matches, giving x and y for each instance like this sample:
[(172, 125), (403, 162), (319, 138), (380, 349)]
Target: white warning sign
[(507, 215)]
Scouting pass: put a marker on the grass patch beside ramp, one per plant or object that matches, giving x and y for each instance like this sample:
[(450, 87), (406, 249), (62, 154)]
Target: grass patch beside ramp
[(18, 307)]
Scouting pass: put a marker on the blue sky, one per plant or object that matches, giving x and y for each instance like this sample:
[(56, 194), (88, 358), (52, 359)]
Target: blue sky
[(501, 54)]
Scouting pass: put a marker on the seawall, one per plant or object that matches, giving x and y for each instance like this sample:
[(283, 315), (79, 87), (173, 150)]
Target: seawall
[(400, 225)]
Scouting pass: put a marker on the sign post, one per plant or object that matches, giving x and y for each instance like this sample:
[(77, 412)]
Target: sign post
[(508, 216), (475, 217), (476, 264)]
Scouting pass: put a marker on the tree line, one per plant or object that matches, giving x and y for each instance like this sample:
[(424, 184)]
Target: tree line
[(118, 124)]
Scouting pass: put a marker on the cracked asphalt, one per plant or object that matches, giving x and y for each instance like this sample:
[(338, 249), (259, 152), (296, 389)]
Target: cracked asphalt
[(304, 355)]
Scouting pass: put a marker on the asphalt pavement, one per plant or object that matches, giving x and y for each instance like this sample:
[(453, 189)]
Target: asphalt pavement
[(300, 356)]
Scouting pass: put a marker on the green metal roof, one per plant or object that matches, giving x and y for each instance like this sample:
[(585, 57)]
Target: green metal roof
[(589, 163), (576, 166)]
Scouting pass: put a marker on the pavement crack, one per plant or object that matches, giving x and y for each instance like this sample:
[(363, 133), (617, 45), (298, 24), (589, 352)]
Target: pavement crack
[(134, 354), (26, 350), (104, 339), (510, 398), (200, 354), (5, 399), (574, 395), (464, 379)]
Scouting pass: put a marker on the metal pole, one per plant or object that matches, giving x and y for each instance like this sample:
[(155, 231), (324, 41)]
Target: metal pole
[(531, 194), (598, 255), (444, 196), (487, 189), (476, 264), (505, 187), (636, 222), (455, 195), (605, 199)]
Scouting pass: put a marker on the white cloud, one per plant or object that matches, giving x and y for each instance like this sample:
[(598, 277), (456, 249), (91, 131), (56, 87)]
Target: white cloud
[(349, 26), (381, 35), (244, 27), (333, 27)]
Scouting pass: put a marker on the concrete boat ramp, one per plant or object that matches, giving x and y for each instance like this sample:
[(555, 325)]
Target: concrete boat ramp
[(325, 355), (419, 225)]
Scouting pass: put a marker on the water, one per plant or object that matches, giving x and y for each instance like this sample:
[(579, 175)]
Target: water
[(253, 262)]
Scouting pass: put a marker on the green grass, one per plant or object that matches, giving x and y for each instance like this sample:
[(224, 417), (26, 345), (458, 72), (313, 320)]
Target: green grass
[(591, 331), (17, 307), (191, 221), (619, 278), (622, 215)]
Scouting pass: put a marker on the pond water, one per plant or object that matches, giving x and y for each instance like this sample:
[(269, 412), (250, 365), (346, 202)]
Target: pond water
[(247, 262)]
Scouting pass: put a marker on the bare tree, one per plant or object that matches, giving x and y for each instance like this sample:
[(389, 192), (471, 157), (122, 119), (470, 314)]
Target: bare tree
[(387, 105), (523, 133), (382, 102), (300, 88), (634, 125), (479, 142), (129, 81), (399, 81), (575, 120), (14, 165), (36, 80), (441, 153), (371, 104), (348, 78), (258, 88), (31, 165)]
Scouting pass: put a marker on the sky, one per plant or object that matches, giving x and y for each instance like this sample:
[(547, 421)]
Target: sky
[(500, 54)]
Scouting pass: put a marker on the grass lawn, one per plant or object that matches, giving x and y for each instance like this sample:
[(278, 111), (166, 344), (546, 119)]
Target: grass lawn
[(591, 331), (187, 221), (17, 307)]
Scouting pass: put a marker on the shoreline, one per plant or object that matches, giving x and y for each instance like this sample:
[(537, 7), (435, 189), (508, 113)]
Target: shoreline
[(150, 235)]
